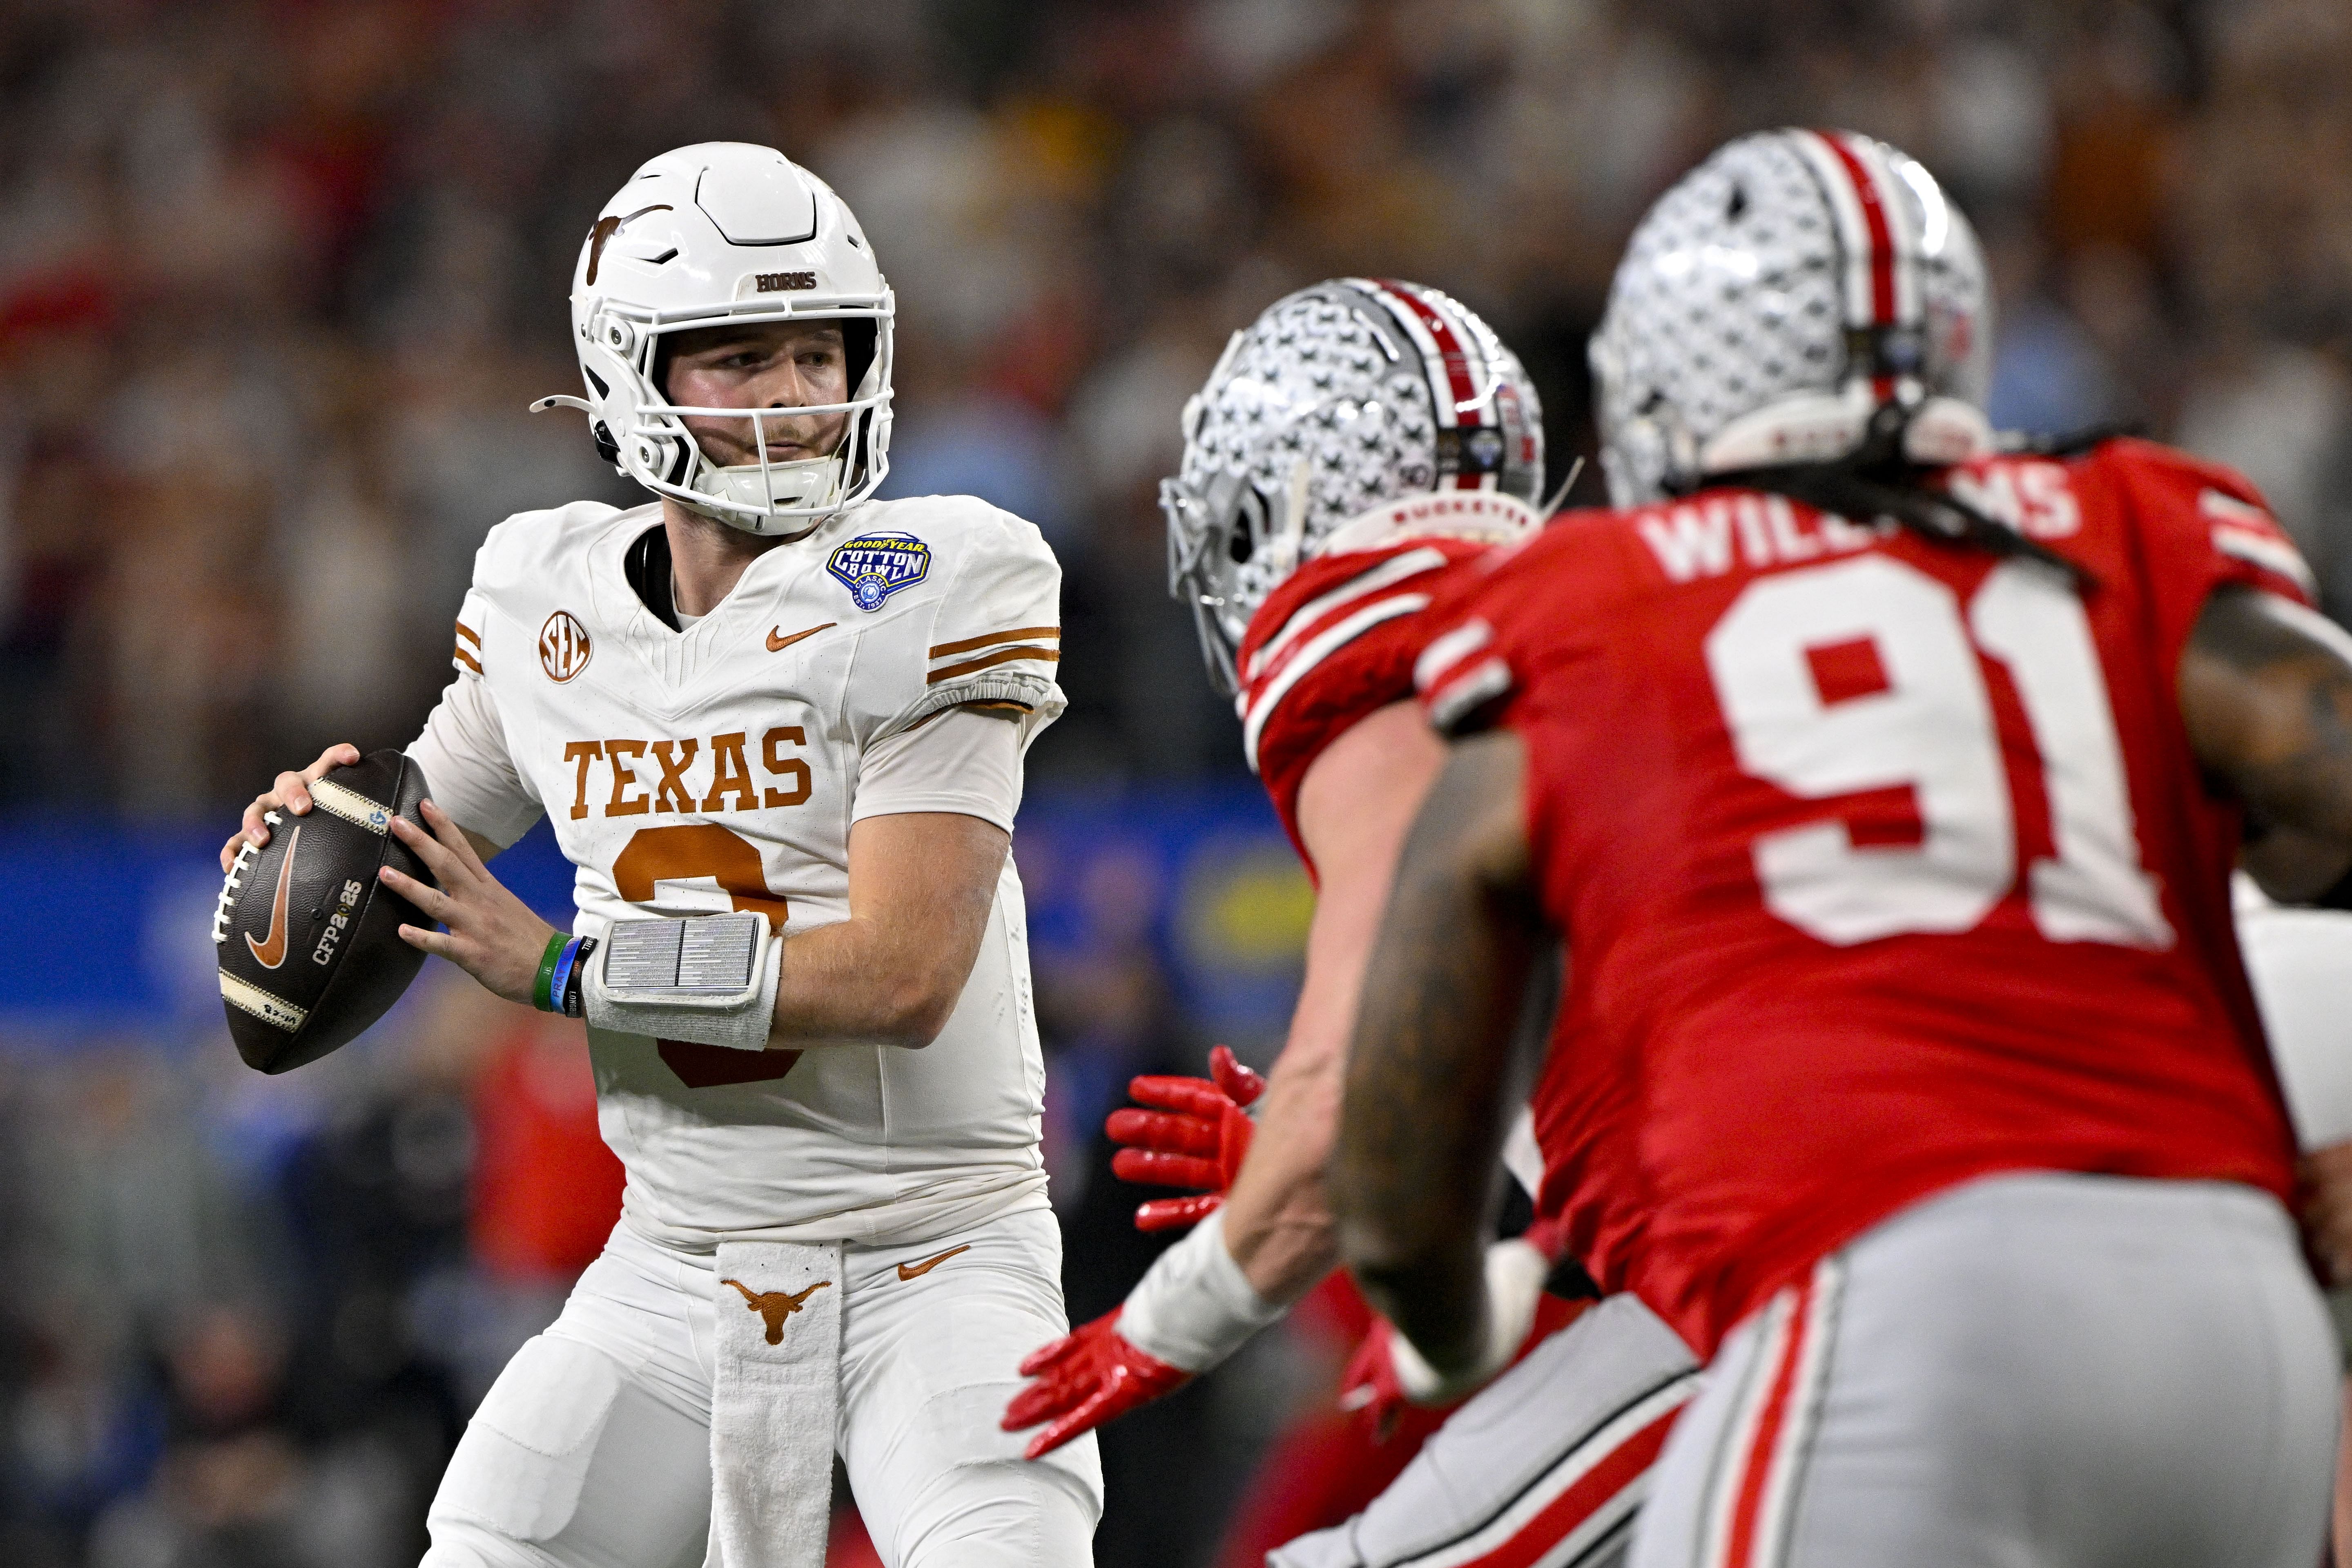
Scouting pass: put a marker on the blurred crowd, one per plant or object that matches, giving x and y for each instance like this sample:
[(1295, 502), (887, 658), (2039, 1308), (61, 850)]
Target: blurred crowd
[(279, 276)]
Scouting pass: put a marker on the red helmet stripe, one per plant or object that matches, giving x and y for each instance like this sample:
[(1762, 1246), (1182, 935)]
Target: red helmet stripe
[(1451, 354), (1882, 235), (1876, 238)]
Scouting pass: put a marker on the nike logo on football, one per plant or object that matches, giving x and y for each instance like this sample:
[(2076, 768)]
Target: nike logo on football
[(916, 1270), (778, 644), (270, 950)]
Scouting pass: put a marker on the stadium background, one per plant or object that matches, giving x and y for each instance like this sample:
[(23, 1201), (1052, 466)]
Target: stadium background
[(275, 282)]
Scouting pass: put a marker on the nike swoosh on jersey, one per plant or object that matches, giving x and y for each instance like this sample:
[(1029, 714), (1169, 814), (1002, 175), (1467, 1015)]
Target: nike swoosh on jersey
[(916, 1270), (778, 644), (270, 950)]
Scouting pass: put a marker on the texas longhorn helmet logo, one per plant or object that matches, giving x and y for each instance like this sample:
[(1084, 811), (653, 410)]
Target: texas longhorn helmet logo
[(563, 647)]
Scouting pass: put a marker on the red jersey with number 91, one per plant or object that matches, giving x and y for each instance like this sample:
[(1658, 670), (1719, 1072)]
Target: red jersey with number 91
[(1883, 864)]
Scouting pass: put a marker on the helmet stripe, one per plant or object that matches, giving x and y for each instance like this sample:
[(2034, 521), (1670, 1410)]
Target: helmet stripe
[(1850, 226), (1881, 288), (1445, 347)]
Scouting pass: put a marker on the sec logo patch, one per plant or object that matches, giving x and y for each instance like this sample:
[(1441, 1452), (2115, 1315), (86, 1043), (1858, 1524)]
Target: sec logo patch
[(872, 566), (563, 647)]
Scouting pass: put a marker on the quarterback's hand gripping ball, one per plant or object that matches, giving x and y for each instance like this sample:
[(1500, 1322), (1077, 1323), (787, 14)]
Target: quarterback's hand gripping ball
[(307, 935), (1088, 1376), (1195, 1136)]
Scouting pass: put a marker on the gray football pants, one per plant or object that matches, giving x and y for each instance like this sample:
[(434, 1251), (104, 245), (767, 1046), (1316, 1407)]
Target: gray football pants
[(2035, 1370), (1547, 1467)]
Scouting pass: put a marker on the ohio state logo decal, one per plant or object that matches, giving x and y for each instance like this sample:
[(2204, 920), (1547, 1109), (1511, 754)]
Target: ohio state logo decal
[(563, 647), (872, 566)]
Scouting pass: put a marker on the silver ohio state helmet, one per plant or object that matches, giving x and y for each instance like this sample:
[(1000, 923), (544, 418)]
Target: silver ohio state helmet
[(716, 234), (1795, 296), (1338, 400)]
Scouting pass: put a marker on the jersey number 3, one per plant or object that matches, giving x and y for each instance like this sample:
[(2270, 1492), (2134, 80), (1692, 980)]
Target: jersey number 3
[(685, 854), (1930, 728)]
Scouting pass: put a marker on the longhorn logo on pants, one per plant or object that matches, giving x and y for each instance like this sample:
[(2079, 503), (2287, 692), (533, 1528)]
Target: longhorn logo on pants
[(775, 1306)]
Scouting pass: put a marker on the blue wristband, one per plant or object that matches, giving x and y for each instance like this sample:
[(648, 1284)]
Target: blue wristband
[(559, 980), (571, 1003)]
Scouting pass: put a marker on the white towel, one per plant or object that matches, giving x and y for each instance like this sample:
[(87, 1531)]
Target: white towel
[(774, 1403)]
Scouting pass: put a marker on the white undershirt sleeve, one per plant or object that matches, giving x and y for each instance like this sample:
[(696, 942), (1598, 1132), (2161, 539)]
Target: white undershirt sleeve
[(467, 768), (963, 760)]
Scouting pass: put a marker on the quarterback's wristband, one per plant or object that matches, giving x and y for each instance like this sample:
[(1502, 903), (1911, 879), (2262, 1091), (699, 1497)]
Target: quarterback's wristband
[(1195, 1307), (559, 979), (542, 996), (570, 986)]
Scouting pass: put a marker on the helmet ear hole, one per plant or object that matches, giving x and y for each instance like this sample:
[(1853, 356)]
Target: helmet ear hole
[(1240, 546)]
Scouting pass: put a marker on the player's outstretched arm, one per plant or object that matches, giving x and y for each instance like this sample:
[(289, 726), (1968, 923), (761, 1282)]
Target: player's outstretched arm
[(1356, 805), (1429, 1074), (1270, 1238), (920, 887), (2265, 689)]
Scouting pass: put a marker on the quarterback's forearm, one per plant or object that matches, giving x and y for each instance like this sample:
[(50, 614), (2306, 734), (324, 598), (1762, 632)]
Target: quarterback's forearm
[(921, 887), (1422, 1126)]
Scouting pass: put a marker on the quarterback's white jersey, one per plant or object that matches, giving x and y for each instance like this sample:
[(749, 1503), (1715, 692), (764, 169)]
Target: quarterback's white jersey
[(719, 768)]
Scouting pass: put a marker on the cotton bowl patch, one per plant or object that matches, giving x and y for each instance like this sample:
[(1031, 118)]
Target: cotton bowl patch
[(872, 566)]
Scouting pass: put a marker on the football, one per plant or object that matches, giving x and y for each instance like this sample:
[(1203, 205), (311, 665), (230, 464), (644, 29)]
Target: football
[(309, 940)]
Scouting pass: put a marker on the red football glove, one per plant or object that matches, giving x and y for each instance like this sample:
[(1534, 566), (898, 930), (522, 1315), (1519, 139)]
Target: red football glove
[(1195, 1138), (1084, 1379)]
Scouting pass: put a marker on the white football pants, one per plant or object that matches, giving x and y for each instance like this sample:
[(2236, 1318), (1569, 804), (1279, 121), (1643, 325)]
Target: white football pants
[(1546, 1467), (2036, 1370), (593, 1448)]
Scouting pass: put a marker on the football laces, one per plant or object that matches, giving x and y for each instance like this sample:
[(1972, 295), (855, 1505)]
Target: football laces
[(234, 881)]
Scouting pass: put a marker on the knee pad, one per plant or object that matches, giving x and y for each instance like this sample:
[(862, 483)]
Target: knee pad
[(1001, 1515), (569, 1464), (524, 1457)]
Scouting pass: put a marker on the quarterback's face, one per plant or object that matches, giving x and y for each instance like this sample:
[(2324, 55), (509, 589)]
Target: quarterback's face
[(768, 365)]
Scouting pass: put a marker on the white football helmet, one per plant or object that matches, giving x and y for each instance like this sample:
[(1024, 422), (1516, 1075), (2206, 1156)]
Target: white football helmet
[(716, 233), (1339, 399), (1796, 298)]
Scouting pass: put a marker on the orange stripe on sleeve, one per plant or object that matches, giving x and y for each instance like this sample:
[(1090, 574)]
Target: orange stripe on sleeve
[(1051, 633), (1001, 656)]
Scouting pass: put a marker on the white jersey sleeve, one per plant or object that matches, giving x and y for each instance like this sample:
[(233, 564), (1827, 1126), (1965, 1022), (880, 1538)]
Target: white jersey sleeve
[(961, 761), (463, 751), (991, 639)]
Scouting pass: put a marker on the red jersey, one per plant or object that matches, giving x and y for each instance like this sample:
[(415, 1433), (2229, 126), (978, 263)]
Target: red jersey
[(1883, 864), (1332, 645)]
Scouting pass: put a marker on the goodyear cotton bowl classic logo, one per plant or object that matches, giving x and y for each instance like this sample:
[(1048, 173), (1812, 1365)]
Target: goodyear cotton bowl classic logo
[(872, 566)]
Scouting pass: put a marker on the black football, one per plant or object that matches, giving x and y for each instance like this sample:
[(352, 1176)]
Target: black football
[(308, 939)]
